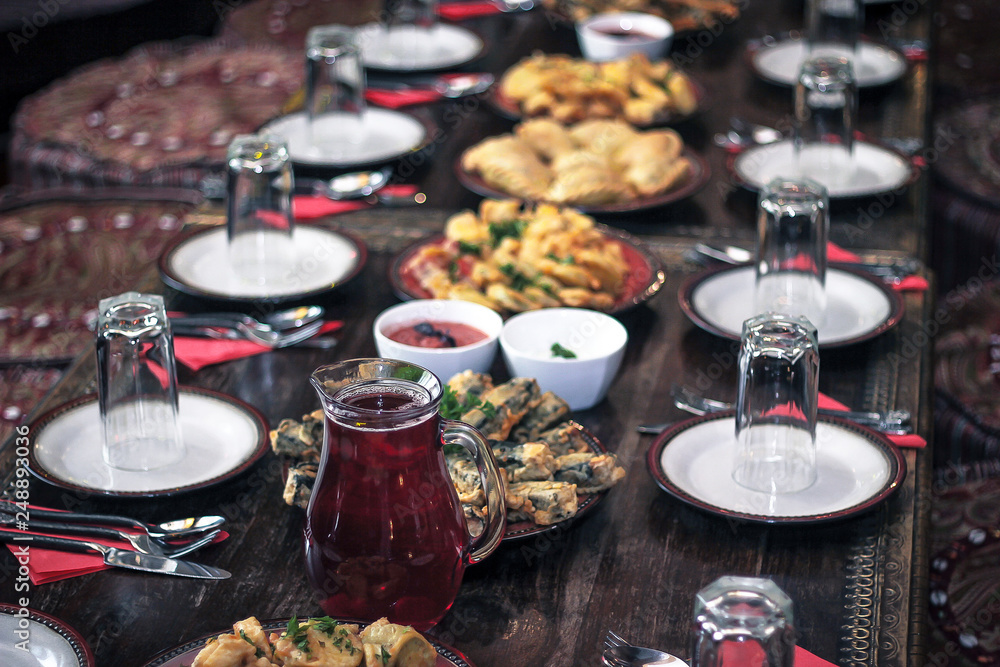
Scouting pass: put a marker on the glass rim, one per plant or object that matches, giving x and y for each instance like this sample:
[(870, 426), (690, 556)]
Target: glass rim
[(332, 388)]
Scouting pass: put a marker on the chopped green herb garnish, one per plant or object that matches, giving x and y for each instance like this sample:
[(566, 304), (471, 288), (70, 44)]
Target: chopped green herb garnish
[(466, 248), (453, 270), (325, 624), (384, 655), (560, 351), (517, 279), (508, 228), (452, 408), (258, 652), (561, 260)]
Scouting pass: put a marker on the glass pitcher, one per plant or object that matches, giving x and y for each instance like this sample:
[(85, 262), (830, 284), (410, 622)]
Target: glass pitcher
[(385, 534)]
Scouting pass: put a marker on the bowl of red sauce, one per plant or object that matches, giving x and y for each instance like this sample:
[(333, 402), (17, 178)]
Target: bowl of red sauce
[(616, 35), (444, 336)]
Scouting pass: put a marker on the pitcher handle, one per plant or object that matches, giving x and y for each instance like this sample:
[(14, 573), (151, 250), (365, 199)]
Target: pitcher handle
[(460, 433)]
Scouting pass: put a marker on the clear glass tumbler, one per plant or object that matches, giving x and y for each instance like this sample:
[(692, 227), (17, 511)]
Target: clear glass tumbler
[(742, 621), (790, 258), (335, 89), (833, 27), (777, 398), (826, 107), (259, 222), (137, 383)]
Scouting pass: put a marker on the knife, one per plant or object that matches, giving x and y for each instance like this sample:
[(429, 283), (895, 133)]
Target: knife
[(132, 560)]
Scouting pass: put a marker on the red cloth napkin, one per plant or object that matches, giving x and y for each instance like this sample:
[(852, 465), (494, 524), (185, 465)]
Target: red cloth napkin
[(458, 11), (834, 253), (395, 99), (196, 353), (310, 207), (48, 565), (751, 654)]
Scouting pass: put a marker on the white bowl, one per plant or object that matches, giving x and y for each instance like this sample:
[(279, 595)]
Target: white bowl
[(598, 340), (443, 362), (618, 34)]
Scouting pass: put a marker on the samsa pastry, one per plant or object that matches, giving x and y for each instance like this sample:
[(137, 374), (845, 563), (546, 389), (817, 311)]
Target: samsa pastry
[(509, 164), (547, 137)]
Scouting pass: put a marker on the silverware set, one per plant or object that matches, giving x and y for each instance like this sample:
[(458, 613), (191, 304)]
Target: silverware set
[(892, 422), (156, 548), (284, 328)]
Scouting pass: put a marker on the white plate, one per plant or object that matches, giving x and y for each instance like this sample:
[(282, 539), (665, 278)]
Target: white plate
[(859, 307), (878, 169), (411, 49), (877, 65), (198, 264), (222, 437), (51, 643), (383, 136), (856, 469)]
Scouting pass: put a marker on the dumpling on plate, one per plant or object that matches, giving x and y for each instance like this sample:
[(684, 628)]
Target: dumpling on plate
[(546, 137), (390, 645)]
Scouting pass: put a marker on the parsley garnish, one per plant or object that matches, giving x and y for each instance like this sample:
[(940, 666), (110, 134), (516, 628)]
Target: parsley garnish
[(453, 271), (452, 408), (325, 624), (466, 248), (517, 279), (258, 653), (560, 351), (508, 228), (384, 655), (560, 260)]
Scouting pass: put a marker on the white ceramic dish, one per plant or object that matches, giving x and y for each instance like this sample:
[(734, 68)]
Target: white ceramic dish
[(878, 169), (197, 264), (598, 341), (856, 469), (443, 362), (388, 135), (222, 437), (409, 49), (616, 35), (859, 307), (50, 642), (876, 65)]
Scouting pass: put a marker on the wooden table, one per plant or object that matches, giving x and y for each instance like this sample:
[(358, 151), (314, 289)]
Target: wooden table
[(635, 562)]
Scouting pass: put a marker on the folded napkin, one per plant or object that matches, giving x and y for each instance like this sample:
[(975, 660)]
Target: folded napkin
[(48, 565), (310, 207), (459, 11), (196, 353), (834, 253), (403, 97)]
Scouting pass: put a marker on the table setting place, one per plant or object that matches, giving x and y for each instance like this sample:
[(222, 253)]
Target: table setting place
[(330, 424)]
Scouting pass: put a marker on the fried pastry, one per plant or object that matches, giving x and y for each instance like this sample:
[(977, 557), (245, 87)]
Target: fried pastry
[(544, 503), (546, 137), (591, 473)]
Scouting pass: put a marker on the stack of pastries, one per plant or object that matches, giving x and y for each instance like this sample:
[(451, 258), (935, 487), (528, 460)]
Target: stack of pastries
[(591, 163)]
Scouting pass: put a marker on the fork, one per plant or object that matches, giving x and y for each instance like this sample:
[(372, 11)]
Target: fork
[(141, 542), (893, 422), (620, 653), (259, 333)]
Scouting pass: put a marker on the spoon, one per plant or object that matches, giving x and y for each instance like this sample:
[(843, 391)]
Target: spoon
[(279, 320), (353, 185), (627, 655), (293, 318)]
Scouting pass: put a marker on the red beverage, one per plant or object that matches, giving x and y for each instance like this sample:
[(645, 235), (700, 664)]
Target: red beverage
[(385, 535)]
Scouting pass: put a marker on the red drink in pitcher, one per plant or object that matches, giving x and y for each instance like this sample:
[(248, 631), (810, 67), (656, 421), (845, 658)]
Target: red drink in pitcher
[(384, 534)]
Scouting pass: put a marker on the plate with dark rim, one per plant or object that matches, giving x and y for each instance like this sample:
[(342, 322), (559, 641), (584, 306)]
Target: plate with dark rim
[(859, 306), (857, 469), (779, 62), (183, 654), (879, 169), (51, 640), (508, 107), (700, 174), (223, 438), (646, 272), (443, 46), (389, 135), (196, 264)]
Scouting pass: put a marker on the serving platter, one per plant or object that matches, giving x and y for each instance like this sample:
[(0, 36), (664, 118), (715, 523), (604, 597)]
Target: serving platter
[(877, 169), (859, 306), (646, 271), (857, 469), (50, 640), (876, 64), (197, 264), (223, 437), (700, 174), (508, 108), (183, 654)]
